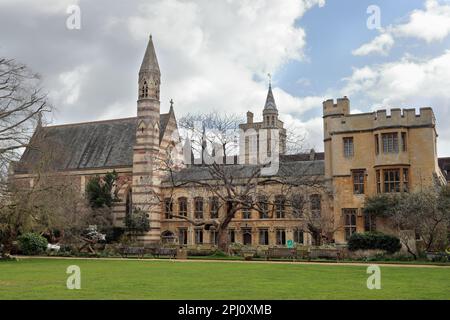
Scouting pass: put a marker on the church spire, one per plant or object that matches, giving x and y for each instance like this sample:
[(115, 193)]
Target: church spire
[(149, 74), (150, 62), (270, 100)]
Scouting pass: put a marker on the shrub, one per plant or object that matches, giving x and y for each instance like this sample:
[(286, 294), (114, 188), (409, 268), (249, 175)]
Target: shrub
[(114, 234), (374, 240), (32, 243), (219, 253)]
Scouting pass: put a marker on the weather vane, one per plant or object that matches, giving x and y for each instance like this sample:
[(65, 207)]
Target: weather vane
[(171, 103), (270, 79)]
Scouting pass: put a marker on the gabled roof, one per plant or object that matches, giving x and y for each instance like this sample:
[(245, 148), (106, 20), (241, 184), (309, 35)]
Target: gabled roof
[(89, 145)]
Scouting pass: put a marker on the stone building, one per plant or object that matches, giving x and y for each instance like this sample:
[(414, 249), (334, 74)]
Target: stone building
[(364, 154)]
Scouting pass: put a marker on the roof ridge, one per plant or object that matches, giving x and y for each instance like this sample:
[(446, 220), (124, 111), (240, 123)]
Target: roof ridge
[(88, 122)]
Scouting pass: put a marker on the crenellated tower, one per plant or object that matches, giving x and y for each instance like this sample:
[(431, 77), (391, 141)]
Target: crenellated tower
[(146, 181)]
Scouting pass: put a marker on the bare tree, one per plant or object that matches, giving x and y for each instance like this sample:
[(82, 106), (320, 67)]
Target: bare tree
[(22, 103), (423, 215), (426, 215), (235, 187)]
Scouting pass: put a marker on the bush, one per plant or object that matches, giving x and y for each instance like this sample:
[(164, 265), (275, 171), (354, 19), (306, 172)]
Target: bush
[(32, 243), (374, 240), (114, 234)]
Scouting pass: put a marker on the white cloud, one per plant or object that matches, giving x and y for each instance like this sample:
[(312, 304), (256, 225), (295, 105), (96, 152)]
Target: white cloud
[(216, 55), (70, 85), (382, 44), (430, 24), (409, 83), (46, 6)]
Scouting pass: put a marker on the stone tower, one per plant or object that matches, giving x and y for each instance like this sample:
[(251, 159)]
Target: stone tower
[(253, 133), (146, 181)]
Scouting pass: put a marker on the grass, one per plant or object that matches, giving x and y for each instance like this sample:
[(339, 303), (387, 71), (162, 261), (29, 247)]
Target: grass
[(156, 279)]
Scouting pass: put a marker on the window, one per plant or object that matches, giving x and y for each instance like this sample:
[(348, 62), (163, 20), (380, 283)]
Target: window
[(263, 207), (297, 205), (391, 180), (246, 209), (144, 92), (404, 142), (281, 237), (358, 181), (247, 236), (198, 202), (182, 206), (348, 147), (377, 145), (390, 142), (349, 222), (405, 180), (182, 236), (315, 203), (369, 222), (214, 237), (198, 236), (298, 236), (168, 208), (263, 237), (231, 236), (129, 203), (378, 181), (273, 121), (214, 208), (280, 204)]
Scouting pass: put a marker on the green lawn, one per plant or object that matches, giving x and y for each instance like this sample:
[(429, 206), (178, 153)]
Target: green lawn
[(156, 279)]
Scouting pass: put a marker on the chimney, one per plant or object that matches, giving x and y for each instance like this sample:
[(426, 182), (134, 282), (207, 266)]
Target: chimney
[(312, 155), (249, 117)]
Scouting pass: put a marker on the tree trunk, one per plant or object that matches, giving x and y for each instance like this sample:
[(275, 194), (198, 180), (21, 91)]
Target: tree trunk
[(223, 230), (223, 240)]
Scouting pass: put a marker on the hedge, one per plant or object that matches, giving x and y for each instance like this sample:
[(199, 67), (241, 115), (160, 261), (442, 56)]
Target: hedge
[(374, 240), (32, 243)]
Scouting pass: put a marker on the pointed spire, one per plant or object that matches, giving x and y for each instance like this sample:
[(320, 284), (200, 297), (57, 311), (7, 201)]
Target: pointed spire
[(270, 100), (150, 62)]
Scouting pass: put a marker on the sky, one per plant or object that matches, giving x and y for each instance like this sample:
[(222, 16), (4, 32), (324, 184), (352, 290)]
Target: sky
[(215, 55)]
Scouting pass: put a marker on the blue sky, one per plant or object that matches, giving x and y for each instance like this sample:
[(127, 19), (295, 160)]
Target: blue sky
[(215, 55), (333, 31)]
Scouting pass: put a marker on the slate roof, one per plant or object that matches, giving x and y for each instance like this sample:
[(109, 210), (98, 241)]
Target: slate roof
[(286, 169), (89, 145)]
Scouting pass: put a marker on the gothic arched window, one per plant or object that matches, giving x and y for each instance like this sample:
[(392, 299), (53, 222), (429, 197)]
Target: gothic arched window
[(144, 92), (129, 203)]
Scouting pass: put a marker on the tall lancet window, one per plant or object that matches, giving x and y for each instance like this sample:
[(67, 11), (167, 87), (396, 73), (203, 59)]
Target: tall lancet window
[(144, 92), (129, 203)]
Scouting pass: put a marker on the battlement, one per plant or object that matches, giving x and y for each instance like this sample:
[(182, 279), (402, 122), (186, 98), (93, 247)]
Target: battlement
[(380, 120), (404, 116), (340, 108)]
